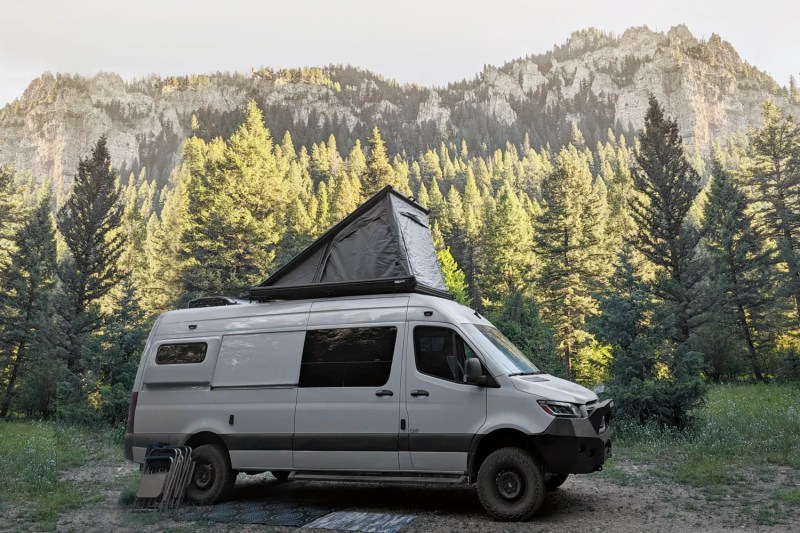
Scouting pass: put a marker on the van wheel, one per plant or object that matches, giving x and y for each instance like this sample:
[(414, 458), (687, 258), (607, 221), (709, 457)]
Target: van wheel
[(213, 478), (511, 485), (553, 481), (280, 475)]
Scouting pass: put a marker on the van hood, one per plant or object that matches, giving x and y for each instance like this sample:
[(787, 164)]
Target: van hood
[(552, 388)]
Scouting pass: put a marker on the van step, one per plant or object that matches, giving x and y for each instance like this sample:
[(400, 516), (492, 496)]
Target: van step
[(366, 477)]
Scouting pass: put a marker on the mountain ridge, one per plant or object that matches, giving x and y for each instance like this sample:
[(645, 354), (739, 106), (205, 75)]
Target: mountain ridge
[(597, 80)]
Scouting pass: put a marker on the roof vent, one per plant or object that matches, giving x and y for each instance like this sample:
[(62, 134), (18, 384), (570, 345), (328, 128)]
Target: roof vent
[(211, 301)]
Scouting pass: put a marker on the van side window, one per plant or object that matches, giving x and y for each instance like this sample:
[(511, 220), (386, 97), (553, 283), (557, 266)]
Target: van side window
[(441, 353), (347, 357), (181, 354)]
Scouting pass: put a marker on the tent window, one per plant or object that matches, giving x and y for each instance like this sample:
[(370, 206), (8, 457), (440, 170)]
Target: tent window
[(441, 353), (181, 354), (347, 357)]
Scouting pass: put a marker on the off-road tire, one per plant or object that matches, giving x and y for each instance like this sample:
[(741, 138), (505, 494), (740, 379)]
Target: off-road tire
[(553, 481), (280, 475), (213, 478), (511, 485)]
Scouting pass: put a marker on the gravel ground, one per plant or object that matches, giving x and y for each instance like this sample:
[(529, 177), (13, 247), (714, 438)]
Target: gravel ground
[(584, 503)]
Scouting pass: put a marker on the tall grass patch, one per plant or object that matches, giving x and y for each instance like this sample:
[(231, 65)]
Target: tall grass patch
[(740, 428), (33, 458)]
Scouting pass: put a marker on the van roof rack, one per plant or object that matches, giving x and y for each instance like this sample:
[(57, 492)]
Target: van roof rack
[(384, 246), (211, 301)]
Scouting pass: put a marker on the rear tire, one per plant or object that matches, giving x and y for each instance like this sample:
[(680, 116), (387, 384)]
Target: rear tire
[(280, 475), (511, 485), (553, 481), (213, 478)]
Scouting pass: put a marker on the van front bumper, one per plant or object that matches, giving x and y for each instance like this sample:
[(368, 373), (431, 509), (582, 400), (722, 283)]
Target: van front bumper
[(577, 445)]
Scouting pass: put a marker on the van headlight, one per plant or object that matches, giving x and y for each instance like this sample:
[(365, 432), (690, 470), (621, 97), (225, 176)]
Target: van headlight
[(561, 409)]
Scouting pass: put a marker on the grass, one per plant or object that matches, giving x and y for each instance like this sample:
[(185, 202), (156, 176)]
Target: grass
[(791, 496), (741, 428), (33, 455), (743, 444)]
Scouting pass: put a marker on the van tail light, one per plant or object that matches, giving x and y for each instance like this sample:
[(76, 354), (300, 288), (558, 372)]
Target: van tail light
[(132, 410)]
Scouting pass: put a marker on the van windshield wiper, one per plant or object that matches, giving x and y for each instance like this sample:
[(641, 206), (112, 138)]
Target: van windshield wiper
[(526, 373)]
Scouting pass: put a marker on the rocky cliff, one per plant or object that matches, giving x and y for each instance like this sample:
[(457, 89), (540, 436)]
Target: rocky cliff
[(596, 80)]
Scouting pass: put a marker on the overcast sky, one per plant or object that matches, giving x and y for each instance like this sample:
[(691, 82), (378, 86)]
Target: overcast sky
[(429, 42)]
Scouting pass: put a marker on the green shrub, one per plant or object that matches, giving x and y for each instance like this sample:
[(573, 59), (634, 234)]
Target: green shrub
[(37, 392), (520, 321), (788, 366)]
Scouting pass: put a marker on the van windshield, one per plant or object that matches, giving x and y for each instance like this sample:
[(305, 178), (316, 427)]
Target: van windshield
[(502, 350)]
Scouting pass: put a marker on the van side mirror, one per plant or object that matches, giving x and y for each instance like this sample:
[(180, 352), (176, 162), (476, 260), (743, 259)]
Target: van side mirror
[(473, 373)]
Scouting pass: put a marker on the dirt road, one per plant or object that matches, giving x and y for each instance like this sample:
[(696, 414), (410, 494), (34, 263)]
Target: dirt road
[(584, 503)]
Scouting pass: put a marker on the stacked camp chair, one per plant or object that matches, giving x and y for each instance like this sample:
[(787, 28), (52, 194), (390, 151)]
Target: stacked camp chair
[(165, 475)]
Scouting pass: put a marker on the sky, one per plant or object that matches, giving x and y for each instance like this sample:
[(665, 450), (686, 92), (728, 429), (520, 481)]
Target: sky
[(429, 42)]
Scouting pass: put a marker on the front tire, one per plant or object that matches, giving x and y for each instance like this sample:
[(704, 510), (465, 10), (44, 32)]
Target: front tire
[(553, 481), (511, 485), (213, 478)]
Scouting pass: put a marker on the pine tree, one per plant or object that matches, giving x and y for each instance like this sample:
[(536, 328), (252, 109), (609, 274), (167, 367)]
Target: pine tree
[(26, 297), (571, 242), (507, 261), (455, 223), (473, 223), (323, 220), (88, 222), (237, 201), (453, 276), (625, 324), (438, 207), (668, 186), (161, 285), (775, 174), (137, 199), (115, 356), (422, 195), (430, 168), (741, 262), (357, 162), (345, 197), (379, 172), (615, 170), (10, 212), (287, 146), (320, 163), (299, 233), (401, 175)]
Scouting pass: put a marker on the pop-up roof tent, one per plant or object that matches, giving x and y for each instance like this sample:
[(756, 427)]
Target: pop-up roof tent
[(384, 246)]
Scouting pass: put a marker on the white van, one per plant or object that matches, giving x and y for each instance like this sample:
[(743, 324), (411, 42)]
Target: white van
[(388, 387)]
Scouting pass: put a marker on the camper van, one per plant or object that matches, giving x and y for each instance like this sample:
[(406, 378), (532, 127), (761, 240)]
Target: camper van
[(402, 387), (342, 368)]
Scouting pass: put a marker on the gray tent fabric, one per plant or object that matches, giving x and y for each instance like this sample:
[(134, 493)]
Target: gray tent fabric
[(383, 246)]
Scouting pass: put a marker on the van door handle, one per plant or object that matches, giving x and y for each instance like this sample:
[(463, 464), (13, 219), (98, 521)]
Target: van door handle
[(418, 393), (384, 392)]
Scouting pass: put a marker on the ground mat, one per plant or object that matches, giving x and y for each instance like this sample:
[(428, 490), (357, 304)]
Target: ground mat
[(275, 514), (367, 522)]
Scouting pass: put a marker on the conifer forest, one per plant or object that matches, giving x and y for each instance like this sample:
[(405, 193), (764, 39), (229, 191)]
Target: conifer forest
[(631, 263)]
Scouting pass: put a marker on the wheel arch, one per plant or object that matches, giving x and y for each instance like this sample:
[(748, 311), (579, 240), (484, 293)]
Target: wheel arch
[(202, 438), (484, 444)]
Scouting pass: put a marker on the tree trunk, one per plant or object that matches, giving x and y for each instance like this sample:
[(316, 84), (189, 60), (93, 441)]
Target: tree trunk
[(748, 337), (12, 380)]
